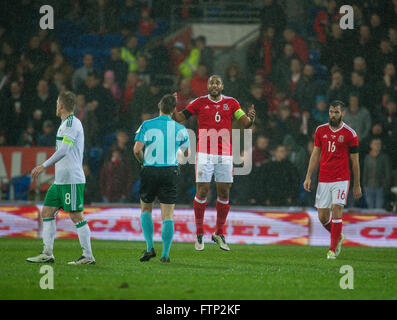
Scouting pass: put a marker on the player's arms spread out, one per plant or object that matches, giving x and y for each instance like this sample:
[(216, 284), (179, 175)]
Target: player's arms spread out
[(138, 151), (58, 155), (248, 120), (245, 120), (186, 152), (356, 175), (314, 159), (182, 153), (179, 116)]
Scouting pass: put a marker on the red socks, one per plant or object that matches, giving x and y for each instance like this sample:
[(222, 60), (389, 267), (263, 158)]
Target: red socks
[(328, 225), (199, 209), (336, 231), (222, 210)]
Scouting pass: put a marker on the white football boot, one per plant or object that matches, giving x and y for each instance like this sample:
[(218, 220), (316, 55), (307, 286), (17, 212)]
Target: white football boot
[(339, 245), (199, 244), (41, 258), (220, 240), (83, 260)]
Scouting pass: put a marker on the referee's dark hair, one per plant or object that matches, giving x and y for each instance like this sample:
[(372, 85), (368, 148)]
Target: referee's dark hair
[(167, 104), (337, 103)]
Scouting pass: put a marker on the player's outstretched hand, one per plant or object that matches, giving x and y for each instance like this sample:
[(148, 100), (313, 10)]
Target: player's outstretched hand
[(306, 184), (251, 112), (357, 192), (36, 171)]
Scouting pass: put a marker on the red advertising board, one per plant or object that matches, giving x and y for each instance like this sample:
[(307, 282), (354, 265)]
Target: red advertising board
[(18, 161), (243, 226)]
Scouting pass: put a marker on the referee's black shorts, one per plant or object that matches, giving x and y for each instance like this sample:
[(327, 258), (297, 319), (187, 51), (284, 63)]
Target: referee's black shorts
[(160, 182)]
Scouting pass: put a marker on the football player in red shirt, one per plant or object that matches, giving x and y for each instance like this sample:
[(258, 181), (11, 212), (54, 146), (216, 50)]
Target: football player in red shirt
[(336, 142), (214, 114)]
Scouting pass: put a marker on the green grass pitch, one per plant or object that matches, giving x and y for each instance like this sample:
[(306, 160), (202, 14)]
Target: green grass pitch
[(246, 272)]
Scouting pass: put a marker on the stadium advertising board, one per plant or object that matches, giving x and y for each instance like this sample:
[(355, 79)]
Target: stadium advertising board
[(245, 227), (18, 161), (372, 230)]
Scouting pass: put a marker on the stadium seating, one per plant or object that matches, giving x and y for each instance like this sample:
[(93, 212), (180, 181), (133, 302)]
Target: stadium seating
[(76, 42), (112, 40), (21, 187), (162, 27), (314, 56), (321, 71), (94, 159), (108, 141), (90, 40), (128, 17), (312, 16)]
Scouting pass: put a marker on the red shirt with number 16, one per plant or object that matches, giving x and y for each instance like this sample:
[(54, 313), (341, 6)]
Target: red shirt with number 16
[(214, 120), (335, 144)]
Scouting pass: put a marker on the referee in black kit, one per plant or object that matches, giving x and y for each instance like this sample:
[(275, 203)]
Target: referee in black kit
[(157, 142)]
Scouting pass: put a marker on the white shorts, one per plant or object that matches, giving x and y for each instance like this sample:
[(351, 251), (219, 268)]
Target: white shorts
[(209, 164), (329, 193)]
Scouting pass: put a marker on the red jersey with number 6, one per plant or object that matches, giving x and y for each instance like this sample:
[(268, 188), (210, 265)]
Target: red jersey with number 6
[(214, 120), (335, 144)]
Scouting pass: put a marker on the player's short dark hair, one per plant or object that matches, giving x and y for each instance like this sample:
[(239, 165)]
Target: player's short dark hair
[(215, 75), (68, 99), (337, 103), (167, 104)]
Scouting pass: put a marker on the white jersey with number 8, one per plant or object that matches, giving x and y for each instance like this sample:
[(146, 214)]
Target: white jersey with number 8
[(69, 170)]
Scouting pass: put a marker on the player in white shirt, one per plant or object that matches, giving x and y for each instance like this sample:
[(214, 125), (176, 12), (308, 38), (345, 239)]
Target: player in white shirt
[(67, 191)]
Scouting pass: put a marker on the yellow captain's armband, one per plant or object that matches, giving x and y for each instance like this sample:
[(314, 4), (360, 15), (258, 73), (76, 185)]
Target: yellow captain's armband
[(68, 141), (239, 113)]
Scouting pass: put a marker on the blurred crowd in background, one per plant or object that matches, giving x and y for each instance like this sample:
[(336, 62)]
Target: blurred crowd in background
[(301, 61)]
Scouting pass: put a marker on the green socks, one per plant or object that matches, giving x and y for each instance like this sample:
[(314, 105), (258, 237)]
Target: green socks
[(148, 229), (167, 233)]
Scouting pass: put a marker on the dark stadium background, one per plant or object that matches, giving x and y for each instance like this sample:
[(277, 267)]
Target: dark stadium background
[(290, 66)]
